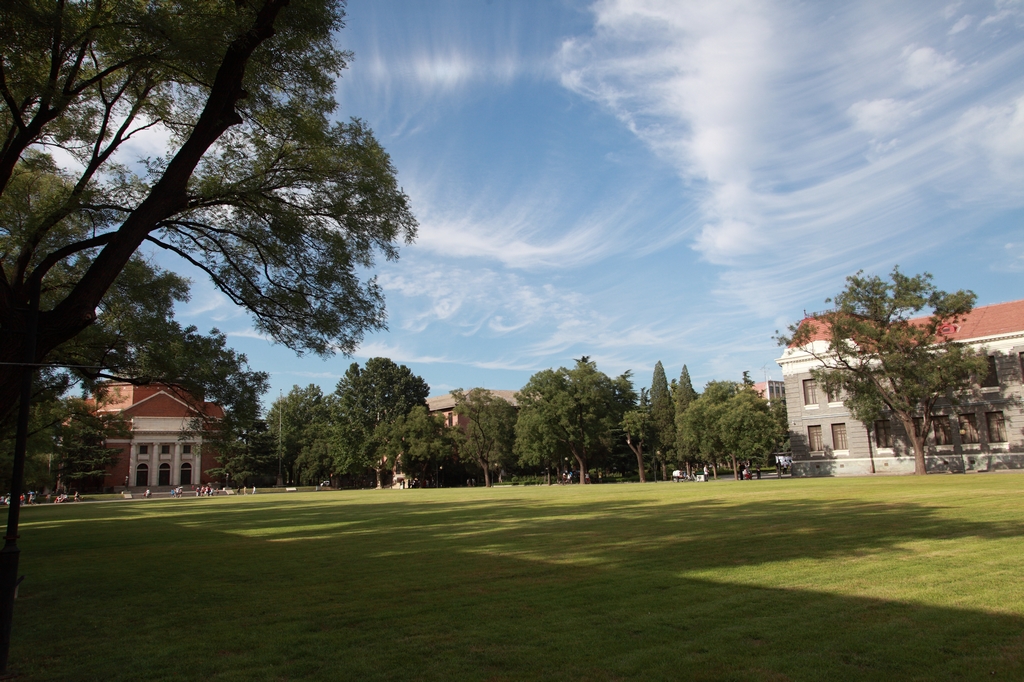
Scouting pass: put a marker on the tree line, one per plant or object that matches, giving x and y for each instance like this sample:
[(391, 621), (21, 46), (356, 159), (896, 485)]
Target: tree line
[(376, 426)]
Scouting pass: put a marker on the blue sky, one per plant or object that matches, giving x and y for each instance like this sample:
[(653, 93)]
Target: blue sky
[(640, 180)]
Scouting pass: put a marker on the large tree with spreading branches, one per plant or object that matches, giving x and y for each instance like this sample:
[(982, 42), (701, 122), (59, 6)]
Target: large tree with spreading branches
[(256, 185), (883, 356)]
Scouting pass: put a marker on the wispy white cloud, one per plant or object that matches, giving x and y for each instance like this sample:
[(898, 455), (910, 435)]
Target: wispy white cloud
[(1013, 258), (820, 139), (880, 116), (248, 333), (924, 67), (962, 24), (1005, 9)]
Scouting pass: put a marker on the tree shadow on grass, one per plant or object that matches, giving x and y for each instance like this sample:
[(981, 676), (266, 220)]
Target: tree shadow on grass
[(495, 589), (694, 535)]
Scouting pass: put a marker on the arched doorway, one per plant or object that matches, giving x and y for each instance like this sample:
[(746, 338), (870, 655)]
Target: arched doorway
[(142, 475), (165, 474), (186, 474)]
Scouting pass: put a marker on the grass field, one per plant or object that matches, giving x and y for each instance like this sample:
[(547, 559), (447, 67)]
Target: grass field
[(863, 579)]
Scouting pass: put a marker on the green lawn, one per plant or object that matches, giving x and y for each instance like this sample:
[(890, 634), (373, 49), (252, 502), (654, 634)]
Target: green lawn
[(893, 578)]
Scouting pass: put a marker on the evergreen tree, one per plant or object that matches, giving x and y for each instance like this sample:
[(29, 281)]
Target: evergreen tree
[(684, 395), (663, 418)]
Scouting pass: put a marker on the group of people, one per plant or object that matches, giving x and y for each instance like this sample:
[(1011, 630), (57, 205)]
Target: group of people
[(747, 473), (32, 497), (680, 475), (198, 491), (569, 477)]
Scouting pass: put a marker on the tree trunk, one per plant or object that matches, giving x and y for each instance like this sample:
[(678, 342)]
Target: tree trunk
[(583, 468), (664, 470), (735, 469), (487, 472), (639, 452), (918, 442), (377, 471), (714, 468)]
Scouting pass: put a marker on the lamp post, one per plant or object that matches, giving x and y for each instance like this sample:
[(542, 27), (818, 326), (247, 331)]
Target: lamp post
[(280, 411), (10, 553), (963, 462)]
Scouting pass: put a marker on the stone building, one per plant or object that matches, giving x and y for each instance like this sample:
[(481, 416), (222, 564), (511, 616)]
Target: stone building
[(163, 449), (445, 405), (984, 432)]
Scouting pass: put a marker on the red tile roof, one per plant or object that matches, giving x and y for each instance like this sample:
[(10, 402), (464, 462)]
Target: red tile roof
[(989, 320)]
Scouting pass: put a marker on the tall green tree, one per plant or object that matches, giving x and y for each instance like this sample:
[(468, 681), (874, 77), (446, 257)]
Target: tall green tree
[(80, 442), (576, 411), (878, 351), (663, 419), (489, 433), (639, 428), (701, 423), (420, 442), (747, 428), (370, 400), (250, 455), (261, 188), (300, 423), (683, 396)]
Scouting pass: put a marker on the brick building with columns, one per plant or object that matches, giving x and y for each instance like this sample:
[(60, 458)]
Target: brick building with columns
[(163, 448)]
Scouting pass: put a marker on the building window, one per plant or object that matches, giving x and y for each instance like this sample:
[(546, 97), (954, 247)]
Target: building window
[(143, 449), (883, 433), (996, 427), (165, 449), (969, 429), (186, 474), (814, 438), (839, 437), (810, 392), (186, 449), (142, 475), (991, 379), (943, 434), (165, 474)]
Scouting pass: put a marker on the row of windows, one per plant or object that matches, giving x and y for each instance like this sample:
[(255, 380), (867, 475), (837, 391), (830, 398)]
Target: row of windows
[(995, 424), (166, 449), (163, 474), (990, 380), (816, 443)]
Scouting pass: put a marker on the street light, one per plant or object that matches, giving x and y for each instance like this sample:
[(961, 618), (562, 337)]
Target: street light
[(10, 553)]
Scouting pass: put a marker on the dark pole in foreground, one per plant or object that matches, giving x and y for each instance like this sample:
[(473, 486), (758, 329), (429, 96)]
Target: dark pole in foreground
[(10, 553)]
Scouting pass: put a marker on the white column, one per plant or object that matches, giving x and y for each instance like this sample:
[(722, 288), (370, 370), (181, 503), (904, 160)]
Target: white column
[(154, 465), (133, 461), (176, 464)]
